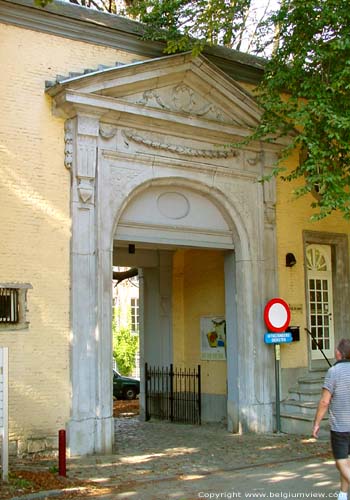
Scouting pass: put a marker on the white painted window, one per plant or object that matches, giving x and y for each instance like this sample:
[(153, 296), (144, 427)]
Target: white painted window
[(320, 299), (135, 316)]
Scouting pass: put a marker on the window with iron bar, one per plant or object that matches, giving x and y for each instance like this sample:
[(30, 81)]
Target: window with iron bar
[(8, 305), (13, 306)]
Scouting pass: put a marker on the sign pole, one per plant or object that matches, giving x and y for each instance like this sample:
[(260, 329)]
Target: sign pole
[(277, 383), (277, 319)]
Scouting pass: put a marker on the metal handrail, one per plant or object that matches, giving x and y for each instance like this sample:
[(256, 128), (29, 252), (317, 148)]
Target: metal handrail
[(318, 345)]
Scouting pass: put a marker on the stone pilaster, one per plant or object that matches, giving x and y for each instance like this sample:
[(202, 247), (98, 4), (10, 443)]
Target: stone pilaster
[(86, 425)]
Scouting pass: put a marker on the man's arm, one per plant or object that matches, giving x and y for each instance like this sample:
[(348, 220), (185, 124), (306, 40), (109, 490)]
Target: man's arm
[(322, 408)]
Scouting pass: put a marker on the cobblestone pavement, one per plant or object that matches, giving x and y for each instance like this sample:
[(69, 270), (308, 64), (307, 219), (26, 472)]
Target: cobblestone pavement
[(161, 451), (152, 457)]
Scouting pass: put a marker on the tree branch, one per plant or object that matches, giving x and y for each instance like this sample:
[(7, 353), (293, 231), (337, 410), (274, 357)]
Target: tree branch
[(120, 276)]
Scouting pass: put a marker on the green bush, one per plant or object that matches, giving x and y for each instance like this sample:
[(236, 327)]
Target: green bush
[(125, 347)]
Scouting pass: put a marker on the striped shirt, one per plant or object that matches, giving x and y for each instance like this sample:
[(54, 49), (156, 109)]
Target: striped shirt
[(337, 382)]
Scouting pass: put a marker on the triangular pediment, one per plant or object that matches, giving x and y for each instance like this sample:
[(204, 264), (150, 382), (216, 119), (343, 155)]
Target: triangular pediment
[(179, 84)]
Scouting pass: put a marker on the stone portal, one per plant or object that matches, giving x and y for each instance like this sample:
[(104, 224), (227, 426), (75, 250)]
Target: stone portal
[(157, 138)]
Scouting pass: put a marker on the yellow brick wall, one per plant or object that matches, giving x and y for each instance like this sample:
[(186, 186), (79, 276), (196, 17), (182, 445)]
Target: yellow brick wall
[(35, 222), (199, 290), (293, 216)]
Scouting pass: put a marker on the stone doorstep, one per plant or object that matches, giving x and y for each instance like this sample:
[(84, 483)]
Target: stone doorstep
[(291, 406), (299, 409), (306, 383), (292, 423), (298, 394)]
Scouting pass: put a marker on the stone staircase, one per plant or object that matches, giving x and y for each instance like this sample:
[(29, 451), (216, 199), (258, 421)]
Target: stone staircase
[(298, 410)]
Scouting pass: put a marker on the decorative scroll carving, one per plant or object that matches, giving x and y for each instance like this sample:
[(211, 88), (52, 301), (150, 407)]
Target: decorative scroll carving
[(179, 149), (152, 95), (68, 144), (88, 130), (188, 101), (183, 99)]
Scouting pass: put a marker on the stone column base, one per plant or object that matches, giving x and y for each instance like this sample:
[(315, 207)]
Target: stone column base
[(90, 436)]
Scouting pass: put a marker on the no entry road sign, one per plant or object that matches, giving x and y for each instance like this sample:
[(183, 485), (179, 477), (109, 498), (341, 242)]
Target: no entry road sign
[(277, 315)]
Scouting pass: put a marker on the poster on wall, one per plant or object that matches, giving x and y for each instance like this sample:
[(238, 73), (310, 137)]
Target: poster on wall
[(213, 338)]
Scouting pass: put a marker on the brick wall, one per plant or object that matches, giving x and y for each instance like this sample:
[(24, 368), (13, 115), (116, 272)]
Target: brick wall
[(293, 217), (35, 225)]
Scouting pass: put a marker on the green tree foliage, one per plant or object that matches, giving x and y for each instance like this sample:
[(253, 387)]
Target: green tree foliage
[(125, 346), (190, 25), (306, 94)]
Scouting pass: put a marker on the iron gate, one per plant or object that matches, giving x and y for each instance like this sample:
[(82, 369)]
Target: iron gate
[(173, 394)]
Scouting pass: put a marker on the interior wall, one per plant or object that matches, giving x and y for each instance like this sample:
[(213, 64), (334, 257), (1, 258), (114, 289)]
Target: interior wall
[(199, 290)]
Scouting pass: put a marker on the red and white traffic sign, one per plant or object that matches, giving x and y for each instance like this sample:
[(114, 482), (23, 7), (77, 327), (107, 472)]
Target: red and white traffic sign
[(277, 315)]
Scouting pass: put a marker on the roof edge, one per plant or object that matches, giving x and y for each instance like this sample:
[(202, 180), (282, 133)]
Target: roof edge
[(101, 28)]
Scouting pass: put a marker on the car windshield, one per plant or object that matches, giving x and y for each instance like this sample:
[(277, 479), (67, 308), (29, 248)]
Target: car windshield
[(119, 375)]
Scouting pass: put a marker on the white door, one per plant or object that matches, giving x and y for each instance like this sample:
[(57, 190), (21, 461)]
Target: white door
[(320, 299)]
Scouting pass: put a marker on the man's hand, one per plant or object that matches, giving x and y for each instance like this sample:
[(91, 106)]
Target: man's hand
[(315, 430)]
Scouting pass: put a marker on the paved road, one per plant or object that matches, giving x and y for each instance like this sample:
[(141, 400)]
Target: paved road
[(302, 479)]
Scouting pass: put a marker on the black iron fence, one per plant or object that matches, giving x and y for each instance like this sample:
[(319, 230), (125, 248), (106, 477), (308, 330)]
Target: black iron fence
[(173, 394)]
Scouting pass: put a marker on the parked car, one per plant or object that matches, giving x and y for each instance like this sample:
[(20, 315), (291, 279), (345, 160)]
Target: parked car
[(125, 387)]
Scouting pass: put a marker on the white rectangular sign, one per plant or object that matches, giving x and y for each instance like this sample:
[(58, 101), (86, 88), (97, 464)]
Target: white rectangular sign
[(4, 411)]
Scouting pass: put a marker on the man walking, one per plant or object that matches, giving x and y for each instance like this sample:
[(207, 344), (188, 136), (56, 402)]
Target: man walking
[(336, 396)]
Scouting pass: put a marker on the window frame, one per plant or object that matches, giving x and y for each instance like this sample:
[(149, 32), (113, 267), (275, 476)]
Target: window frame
[(134, 315)]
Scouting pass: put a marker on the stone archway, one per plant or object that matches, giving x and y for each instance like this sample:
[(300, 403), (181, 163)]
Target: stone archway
[(124, 135), (164, 216), (173, 214)]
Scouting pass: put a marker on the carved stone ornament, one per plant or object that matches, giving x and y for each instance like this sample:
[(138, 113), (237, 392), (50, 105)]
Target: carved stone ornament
[(85, 190), (178, 149), (188, 101), (270, 213), (254, 160), (173, 205), (68, 144), (182, 99), (107, 131)]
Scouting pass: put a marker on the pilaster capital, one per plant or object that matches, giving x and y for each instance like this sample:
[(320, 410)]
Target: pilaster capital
[(88, 125), (81, 136)]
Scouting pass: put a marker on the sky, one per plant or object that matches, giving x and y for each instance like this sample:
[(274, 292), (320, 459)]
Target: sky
[(258, 10)]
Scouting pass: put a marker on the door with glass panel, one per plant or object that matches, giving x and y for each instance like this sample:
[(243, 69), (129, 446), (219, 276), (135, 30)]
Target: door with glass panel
[(320, 299)]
